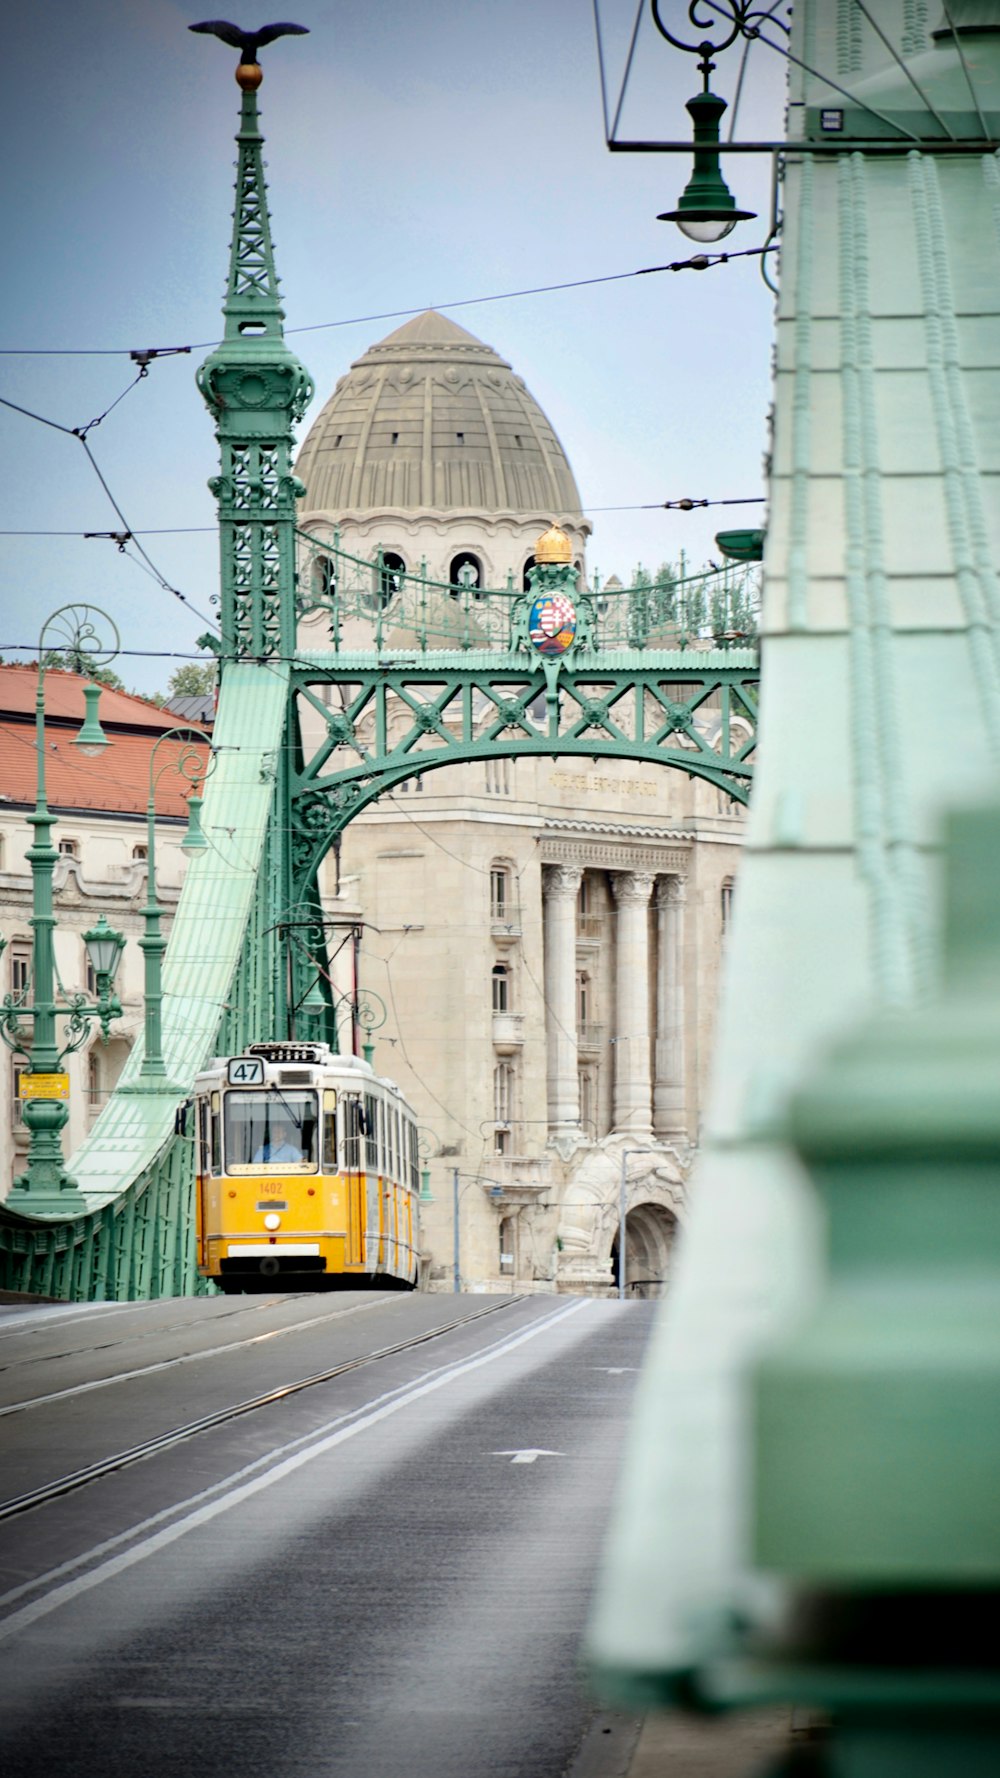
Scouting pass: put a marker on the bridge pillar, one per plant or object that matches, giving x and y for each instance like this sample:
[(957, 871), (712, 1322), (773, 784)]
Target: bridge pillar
[(669, 1090), (561, 886), (633, 1101)]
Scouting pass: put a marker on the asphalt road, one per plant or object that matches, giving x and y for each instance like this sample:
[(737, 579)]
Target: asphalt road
[(383, 1573)]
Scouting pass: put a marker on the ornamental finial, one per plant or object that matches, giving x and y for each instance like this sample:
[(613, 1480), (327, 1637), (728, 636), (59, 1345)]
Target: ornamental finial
[(249, 74)]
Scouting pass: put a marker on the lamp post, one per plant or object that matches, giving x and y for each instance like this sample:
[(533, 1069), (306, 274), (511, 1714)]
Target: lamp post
[(45, 1187), (193, 763)]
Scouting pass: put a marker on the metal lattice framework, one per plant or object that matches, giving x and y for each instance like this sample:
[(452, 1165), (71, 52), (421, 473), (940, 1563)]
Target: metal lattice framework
[(413, 676)]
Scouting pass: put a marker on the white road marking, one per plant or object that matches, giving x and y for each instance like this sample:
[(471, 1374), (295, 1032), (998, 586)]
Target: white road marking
[(372, 1412), (527, 1456), (614, 1370)]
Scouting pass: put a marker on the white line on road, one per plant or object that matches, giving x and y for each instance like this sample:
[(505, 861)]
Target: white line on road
[(527, 1456), (285, 1466)]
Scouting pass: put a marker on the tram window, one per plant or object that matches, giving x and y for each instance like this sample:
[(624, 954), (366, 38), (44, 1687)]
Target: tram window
[(351, 1133), (412, 1134), (371, 1133), (271, 1130), (329, 1131), (215, 1137), (203, 1150), (381, 1136)]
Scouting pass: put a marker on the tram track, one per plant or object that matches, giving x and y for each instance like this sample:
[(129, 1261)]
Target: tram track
[(165, 1441), (166, 1364)]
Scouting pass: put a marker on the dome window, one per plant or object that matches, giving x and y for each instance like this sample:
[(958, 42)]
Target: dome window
[(388, 579), (466, 575)]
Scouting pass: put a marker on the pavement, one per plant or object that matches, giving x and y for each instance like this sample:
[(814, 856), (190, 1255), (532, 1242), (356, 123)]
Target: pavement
[(673, 1745)]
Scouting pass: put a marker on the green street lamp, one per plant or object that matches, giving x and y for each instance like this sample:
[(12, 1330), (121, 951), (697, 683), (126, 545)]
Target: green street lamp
[(706, 210), (194, 762), (45, 1188)]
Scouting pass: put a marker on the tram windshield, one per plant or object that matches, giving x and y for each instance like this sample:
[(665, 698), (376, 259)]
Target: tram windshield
[(271, 1130)]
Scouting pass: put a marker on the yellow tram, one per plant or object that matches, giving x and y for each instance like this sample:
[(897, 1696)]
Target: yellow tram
[(307, 1172)]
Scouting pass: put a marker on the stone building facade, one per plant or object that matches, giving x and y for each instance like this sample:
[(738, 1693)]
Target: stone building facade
[(545, 937)]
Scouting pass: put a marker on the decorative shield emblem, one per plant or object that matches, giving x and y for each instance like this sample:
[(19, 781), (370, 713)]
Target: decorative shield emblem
[(552, 623)]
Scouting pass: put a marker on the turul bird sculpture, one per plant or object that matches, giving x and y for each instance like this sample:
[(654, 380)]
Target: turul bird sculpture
[(248, 42)]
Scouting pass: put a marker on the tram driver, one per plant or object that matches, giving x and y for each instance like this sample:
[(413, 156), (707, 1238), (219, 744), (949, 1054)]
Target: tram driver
[(280, 1145)]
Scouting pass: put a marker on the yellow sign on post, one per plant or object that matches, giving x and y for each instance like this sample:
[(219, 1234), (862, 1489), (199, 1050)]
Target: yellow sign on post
[(44, 1086)]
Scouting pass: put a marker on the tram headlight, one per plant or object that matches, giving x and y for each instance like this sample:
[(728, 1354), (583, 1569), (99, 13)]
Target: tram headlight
[(272, 1221)]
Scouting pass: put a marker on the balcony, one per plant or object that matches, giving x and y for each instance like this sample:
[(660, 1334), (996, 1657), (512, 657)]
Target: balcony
[(508, 1032), (590, 929), (505, 924), (590, 1038)]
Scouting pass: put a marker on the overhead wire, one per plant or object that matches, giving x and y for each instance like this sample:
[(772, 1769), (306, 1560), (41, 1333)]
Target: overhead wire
[(80, 433), (698, 262)]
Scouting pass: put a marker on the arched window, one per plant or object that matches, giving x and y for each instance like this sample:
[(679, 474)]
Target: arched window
[(584, 1004), (501, 891), (69, 848), (324, 577), (388, 579), (525, 577), (726, 903), (508, 1246), (466, 575), (501, 988), (140, 854)]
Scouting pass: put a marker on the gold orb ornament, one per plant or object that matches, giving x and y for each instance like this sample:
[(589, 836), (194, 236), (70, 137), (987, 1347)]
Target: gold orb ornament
[(553, 546), (249, 76)]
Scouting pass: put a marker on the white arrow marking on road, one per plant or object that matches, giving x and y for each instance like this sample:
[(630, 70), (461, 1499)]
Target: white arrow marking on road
[(614, 1370), (527, 1456)]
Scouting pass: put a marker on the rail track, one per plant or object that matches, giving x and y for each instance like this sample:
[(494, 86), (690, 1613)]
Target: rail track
[(93, 1472)]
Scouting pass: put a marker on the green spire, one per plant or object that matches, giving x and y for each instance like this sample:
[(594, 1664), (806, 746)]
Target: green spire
[(255, 388)]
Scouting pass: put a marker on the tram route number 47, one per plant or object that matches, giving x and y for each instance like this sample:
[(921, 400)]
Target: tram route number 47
[(245, 1071)]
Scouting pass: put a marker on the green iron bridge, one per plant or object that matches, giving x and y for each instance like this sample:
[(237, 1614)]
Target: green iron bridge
[(411, 676)]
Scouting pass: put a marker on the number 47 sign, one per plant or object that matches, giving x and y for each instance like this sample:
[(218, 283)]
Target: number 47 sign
[(246, 1071)]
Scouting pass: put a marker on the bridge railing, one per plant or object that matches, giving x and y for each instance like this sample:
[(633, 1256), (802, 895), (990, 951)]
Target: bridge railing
[(377, 597)]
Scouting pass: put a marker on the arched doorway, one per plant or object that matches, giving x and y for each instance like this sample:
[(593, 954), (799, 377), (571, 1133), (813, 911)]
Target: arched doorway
[(650, 1231)]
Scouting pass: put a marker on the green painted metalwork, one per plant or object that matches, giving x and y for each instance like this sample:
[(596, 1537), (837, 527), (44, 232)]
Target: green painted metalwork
[(428, 676)]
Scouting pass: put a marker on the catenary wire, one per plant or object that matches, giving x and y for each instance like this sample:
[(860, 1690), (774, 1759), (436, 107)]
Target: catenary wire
[(698, 262)]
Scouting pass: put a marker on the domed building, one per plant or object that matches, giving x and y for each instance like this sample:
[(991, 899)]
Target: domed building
[(544, 937), (431, 447)]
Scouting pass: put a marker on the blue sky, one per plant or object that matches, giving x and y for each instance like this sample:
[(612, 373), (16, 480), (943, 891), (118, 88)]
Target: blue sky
[(419, 151)]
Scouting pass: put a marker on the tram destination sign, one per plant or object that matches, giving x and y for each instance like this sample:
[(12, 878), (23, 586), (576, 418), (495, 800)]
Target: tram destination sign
[(286, 1052)]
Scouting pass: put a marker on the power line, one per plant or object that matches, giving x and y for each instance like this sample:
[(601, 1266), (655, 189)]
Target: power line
[(699, 262)]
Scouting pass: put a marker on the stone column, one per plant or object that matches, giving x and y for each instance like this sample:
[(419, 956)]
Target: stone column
[(560, 888), (669, 1109), (633, 1098)]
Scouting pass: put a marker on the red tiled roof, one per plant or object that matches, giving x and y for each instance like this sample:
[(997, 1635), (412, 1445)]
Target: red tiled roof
[(116, 781)]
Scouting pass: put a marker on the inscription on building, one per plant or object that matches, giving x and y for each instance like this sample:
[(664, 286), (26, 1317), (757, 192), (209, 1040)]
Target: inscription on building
[(596, 781)]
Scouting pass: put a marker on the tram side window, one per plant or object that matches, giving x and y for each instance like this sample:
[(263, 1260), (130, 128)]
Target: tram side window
[(351, 1108), (204, 1160), (215, 1157), (329, 1131), (371, 1133), (414, 1159), (382, 1162)]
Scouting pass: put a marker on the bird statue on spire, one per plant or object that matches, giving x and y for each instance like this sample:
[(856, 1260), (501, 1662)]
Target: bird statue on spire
[(248, 74)]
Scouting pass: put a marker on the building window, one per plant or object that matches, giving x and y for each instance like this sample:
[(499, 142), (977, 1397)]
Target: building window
[(69, 848), (407, 784), (20, 968), (466, 575), (503, 1105), (726, 903), (140, 854), (93, 1083), (588, 1102), (16, 1120), (501, 897), (499, 777), (501, 988), (508, 1247), (324, 578), (389, 578), (584, 1001)]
